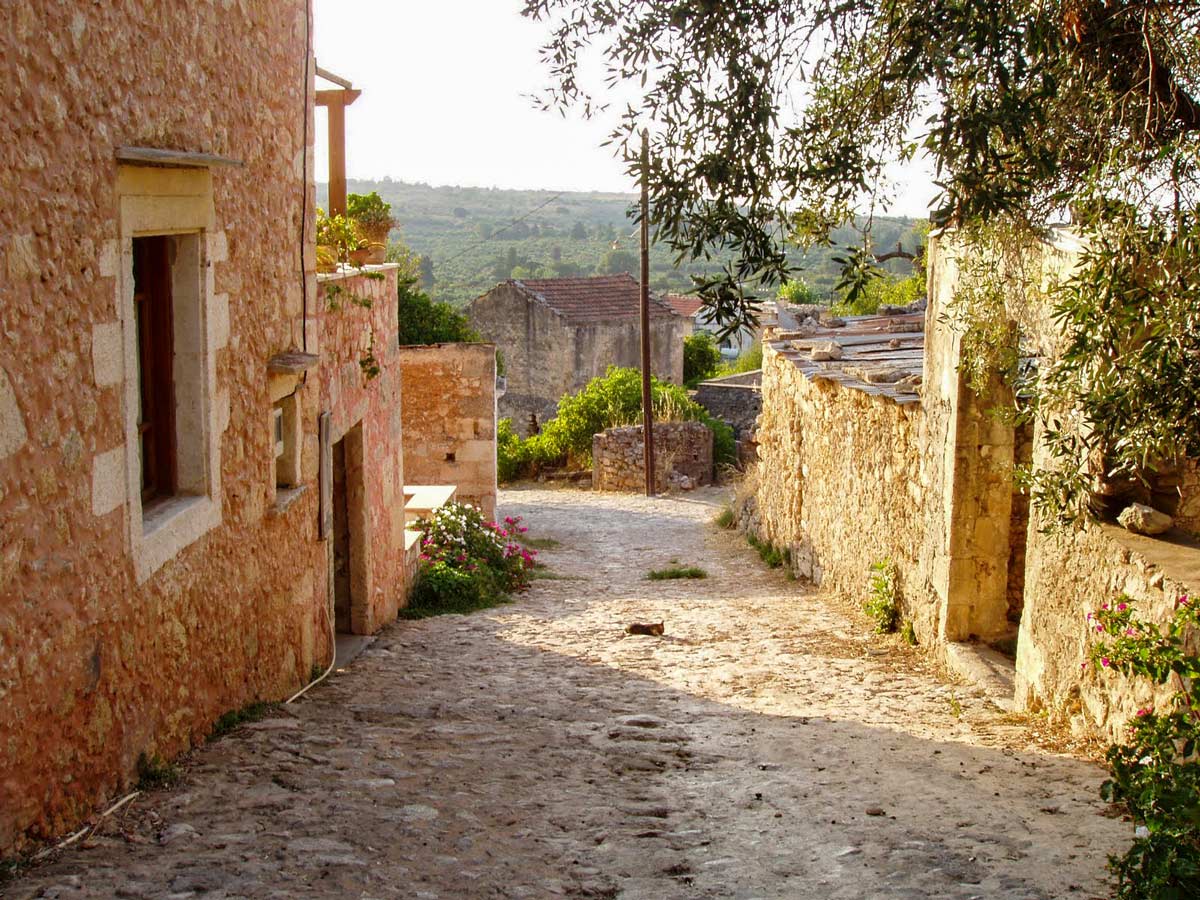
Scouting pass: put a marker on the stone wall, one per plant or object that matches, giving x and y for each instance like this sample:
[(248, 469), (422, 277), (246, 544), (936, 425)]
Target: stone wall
[(841, 486), (124, 632), (683, 457), (538, 351), (450, 419), (369, 409), (734, 399), (546, 357)]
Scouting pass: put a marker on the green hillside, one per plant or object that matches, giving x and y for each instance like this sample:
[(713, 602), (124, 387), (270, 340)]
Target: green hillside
[(475, 237)]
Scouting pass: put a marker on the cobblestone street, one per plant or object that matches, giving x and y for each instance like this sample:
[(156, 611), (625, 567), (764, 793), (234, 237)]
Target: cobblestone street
[(766, 746)]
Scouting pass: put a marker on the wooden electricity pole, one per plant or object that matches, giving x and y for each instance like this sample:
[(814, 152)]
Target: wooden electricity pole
[(647, 399)]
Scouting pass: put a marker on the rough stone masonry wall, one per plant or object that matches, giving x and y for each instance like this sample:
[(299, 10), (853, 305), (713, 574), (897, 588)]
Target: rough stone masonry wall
[(450, 419), (735, 400), (538, 353), (95, 667), (1066, 575), (841, 485), (348, 333), (545, 357), (680, 449)]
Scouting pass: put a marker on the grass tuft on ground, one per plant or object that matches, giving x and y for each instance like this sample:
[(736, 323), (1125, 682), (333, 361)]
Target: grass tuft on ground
[(676, 572)]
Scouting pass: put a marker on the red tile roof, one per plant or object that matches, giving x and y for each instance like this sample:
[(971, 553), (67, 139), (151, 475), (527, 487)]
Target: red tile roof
[(684, 304), (602, 298)]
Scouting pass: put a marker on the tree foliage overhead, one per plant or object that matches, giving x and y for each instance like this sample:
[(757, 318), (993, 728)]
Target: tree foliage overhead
[(776, 120)]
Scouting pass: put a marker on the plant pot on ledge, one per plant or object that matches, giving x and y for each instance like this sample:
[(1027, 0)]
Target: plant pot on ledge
[(360, 257)]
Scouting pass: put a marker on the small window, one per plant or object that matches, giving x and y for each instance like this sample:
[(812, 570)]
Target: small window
[(286, 437), (156, 359)]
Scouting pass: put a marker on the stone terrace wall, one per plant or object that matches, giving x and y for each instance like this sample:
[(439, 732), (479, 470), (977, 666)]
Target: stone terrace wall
[(841, 485), (98, 665), (680, 449), (450, 419)]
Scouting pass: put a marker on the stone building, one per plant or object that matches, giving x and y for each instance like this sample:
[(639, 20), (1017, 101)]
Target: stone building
[(873, 446), (201, 470), (557, 334)]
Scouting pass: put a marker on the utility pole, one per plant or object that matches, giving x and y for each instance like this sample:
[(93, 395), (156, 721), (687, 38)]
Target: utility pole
[(647, 399)]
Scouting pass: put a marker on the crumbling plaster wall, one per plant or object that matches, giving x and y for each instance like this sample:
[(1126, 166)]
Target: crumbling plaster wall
[(96, 666), (450, 419)]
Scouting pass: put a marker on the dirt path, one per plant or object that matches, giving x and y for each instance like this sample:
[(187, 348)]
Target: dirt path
[(764, 747)]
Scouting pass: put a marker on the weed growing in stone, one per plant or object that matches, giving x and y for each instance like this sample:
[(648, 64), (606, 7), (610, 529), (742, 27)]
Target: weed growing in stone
[(468, 564), (251, 712), (155, 772), (725, 518), (955, 707), (540, 543), (882, 603), (676, 572), (1156, 772), (769, 553), (908, 634)]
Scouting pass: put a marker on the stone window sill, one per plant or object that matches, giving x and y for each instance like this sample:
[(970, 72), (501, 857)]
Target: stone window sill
[(168, 526), (285, 498)]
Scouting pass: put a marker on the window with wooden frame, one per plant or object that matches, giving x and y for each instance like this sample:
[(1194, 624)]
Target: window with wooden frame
[(156, 359)]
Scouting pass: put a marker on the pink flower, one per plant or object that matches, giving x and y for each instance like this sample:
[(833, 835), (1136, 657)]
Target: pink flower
[(1083, 666), (1099, 629), (1143, 712), (1122, 607), (1130, 632), (1091, 616), (1104, 606), (1104, 661), (1181, 601)]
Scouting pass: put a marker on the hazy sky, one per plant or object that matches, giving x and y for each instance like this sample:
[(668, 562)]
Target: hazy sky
[(444, 100)]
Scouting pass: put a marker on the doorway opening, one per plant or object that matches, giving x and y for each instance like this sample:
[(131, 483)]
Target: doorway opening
[(349, 510)]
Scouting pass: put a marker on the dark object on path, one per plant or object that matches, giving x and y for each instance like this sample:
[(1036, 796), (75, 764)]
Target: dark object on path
[(651, 628)]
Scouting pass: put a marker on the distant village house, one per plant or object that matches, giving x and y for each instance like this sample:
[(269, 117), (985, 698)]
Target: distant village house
[(557, 334)]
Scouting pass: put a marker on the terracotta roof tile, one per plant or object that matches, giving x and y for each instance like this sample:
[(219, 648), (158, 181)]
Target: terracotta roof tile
[(601, 298), (684, 304)]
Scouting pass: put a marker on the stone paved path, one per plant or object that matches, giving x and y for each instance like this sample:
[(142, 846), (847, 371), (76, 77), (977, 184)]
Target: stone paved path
[(538, 751)]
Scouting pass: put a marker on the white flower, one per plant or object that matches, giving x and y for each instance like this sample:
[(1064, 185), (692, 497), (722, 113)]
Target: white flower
[(1141, 832), (1145, 761)]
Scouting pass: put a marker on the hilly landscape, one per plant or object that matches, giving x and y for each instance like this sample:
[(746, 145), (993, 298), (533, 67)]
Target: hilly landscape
[(469, 238)]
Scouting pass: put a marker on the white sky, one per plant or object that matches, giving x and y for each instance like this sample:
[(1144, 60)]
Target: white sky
[(445, 101)]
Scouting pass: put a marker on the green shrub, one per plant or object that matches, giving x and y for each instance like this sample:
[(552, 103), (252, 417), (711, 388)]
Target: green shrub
[(701, 358), (1156, 773), (749, 361), (607, 402), (676, 572), (798, 291), (468, 563), (512, 453), (423, 321), (886, 290), (883, 604)]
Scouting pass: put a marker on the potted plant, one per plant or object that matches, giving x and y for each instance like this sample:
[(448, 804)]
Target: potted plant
[(374, 220), (338, 241)]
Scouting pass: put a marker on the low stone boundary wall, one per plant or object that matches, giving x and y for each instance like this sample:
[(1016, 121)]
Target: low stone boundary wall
[(683, 456)]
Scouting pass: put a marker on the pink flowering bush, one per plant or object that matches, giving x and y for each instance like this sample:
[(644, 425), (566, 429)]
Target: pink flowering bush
[(1156, 773), (468, 563)]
